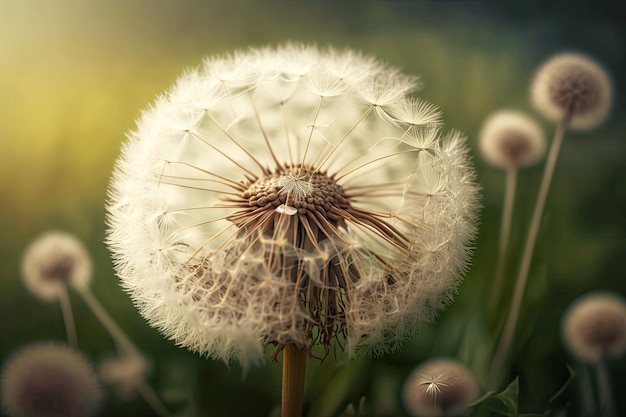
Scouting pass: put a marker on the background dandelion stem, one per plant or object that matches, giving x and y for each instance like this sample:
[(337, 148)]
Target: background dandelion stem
[(68, 318), (583, 374), (294, 367), (107, 321), (504, 344), (505, 231), (607, 409), (153, 400), (125, 344)]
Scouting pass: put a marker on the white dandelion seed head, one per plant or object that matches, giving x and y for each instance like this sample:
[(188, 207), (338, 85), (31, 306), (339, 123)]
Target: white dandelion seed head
[(52, 262), (572, 83), (509, 138), (439, 387), (312, 202), (594, 326), (49, 380)]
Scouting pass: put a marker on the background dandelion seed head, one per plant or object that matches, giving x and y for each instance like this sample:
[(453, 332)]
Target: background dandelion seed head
[(49, 380), (511, 139), (52, 262), (594, 326), (439, 387), (572, 83)]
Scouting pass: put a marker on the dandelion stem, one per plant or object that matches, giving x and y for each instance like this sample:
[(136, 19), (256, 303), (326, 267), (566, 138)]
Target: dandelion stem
[(107, 321), (153, 400), (506, 339), (505, 231), (68, 317), (586, 390), (294, 366), (123, 342), (604, 390)]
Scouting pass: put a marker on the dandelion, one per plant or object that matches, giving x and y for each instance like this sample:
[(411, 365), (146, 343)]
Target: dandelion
[(51, 263), (574, 87), (439, 387), (125, 373), (291, 196), (49, 380), (593, 328), (510, 140), (575, 92), (56, 261)]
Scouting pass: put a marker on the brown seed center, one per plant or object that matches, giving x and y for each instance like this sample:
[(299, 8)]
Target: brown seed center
[(297, 189)]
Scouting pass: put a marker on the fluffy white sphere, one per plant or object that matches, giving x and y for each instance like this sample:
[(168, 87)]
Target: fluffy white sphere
[(291, 195)]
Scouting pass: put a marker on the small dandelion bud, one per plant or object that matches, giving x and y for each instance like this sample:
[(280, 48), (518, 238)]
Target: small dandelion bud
[(572, 85), (291, 196), (54, 261), (125, 373), (594, 326), (49, 380), (511, 139), (439, 387)]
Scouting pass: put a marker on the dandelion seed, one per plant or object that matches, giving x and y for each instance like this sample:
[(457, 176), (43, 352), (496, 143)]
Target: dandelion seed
[(439, 387), (574, 86), (305, 212), (49, 380)]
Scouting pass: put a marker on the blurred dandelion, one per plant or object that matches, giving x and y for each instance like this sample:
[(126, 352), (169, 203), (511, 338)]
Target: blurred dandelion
[(125, 373), (291, 196), (57, 260), (572, 86), (49, 380), (51, 263), (593, 328), (574, 91), (439, 387), (509, 140)]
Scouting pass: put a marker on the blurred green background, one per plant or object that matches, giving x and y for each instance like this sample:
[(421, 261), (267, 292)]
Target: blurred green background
[(74, 75)]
